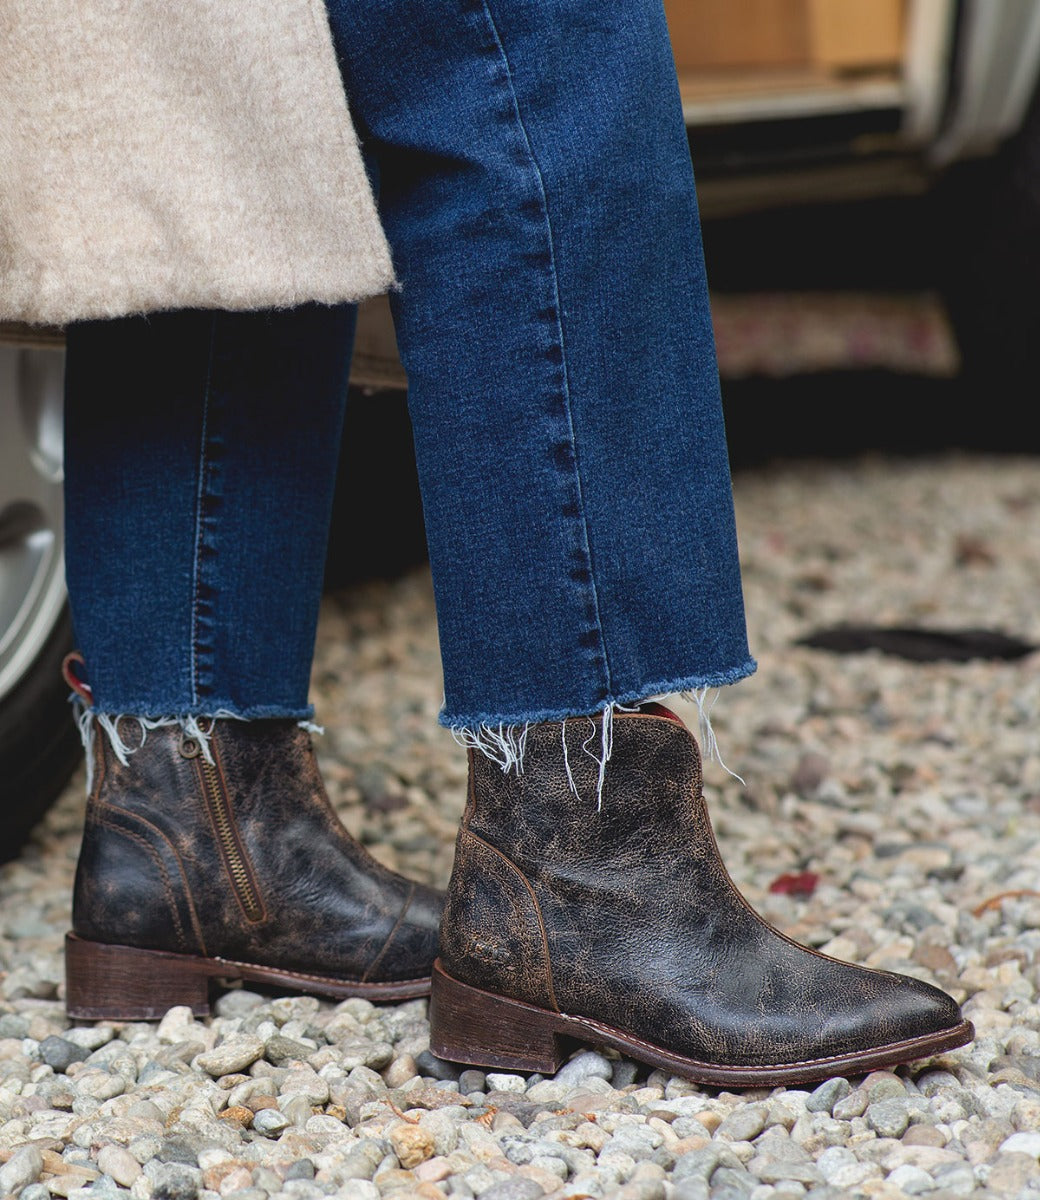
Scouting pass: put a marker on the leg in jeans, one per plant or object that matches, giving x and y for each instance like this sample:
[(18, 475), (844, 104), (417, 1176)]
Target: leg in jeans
[(200, 462), (553, 320), (536, 189)]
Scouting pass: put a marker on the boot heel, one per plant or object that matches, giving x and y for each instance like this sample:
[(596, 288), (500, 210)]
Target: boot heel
[(468, 1025), (123, 983)]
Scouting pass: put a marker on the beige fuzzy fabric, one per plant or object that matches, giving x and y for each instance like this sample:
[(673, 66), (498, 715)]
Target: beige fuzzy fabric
[(196, 153)]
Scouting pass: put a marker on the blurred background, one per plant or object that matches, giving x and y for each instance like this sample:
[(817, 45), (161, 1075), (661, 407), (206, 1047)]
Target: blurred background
[(869, 180)]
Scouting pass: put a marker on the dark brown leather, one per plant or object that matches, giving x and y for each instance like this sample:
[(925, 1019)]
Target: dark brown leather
[(156, 868), (626, 914)]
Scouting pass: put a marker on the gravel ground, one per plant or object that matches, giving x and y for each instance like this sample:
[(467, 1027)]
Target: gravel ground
[(911, 791)]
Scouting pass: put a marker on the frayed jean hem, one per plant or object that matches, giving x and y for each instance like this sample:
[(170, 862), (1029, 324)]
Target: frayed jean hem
[(689, 683)]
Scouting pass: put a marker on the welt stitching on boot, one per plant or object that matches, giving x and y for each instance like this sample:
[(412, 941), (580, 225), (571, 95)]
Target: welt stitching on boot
[(621, 926), (231, 864)]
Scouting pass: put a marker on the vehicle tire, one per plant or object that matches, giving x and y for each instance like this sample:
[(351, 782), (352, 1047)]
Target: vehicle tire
[(39, 743)]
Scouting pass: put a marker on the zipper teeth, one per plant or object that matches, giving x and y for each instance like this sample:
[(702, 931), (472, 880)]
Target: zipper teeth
[(240, 879)]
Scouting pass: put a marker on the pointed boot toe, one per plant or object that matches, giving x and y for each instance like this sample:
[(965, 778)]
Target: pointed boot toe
[(617, 923)]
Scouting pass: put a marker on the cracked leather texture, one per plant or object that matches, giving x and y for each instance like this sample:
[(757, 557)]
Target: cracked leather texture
[(152, 873), (643, 928)]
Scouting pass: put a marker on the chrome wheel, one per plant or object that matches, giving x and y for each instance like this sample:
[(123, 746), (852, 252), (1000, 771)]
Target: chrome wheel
[(32, 575)]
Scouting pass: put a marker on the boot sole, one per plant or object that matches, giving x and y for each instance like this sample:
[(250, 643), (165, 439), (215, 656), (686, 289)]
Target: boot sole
[(124, 983), (471, 1026)]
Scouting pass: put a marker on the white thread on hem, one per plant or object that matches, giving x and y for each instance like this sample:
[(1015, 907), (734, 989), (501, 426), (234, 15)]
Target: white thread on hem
[(504, 746), (709, 742), (86, 718)]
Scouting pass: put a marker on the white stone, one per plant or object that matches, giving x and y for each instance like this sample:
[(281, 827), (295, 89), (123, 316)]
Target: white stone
[(1025, 1142), (501, 1082)]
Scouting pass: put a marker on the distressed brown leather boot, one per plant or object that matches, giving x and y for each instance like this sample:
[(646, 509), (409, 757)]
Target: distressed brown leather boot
[(237, 868), (620, 926)]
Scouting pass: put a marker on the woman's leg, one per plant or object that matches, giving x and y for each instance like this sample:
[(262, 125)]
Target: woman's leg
[(200, 467), (536, 188), (535, 184), (201, 454)]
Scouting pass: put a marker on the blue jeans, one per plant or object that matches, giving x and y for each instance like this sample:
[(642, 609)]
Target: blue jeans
[(534, 181)]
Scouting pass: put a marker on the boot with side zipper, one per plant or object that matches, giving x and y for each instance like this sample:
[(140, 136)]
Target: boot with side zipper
[(618, 924), (231, 865)]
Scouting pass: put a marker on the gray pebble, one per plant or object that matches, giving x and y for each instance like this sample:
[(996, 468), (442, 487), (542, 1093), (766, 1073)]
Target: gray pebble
[(178, 1150), (851, 1106), (587, 1065), (743, 1124), (780, 1171), (21, 1169), (270, 1122), (910, 1179), (699, 1163), (624, 1073), (432, 1067), (231, 1056), (59, 1053), (302, 1168), (730, 1184), (889, 1118), (472, 1081), (828, 1094), (13, 1026), (692, 1188), (514, 1189), (36, 1191), (363, 1160), (173, 1181), (281, 1050)]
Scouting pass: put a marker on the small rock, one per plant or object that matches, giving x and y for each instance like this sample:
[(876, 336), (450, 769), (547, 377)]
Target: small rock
[(400, 1071), (59, 1054), (514, 1189), (500, 1082), (1025, 1142), (585, 1066), (624, 1073), (172, 1181), (828, 1094), (912, 1180), (883, 1085), (889, 1118), (743, 1124), (925, 1135), (178, 1150), (231, 1056), (270, 1122), (119, 1163), (363, 1160), (21, 1169), (412, 1144), (851, 1106), (302, 1168), (432, 1067), (281, 1050), (474, 1081)]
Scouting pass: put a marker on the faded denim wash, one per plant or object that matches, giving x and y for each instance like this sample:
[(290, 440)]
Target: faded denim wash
[(535, 184)]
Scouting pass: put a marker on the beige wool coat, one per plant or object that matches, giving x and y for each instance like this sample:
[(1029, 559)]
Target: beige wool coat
[(161, 154)]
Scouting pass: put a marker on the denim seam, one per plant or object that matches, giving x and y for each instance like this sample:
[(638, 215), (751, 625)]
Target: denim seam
[(196, 562), (669, 687), (565, 391)]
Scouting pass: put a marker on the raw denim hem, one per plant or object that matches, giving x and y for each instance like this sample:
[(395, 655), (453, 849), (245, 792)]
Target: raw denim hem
[(215, 709), (690, 683)]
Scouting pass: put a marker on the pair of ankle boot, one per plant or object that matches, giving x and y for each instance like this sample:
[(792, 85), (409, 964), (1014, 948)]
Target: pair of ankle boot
[(572, 913)]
